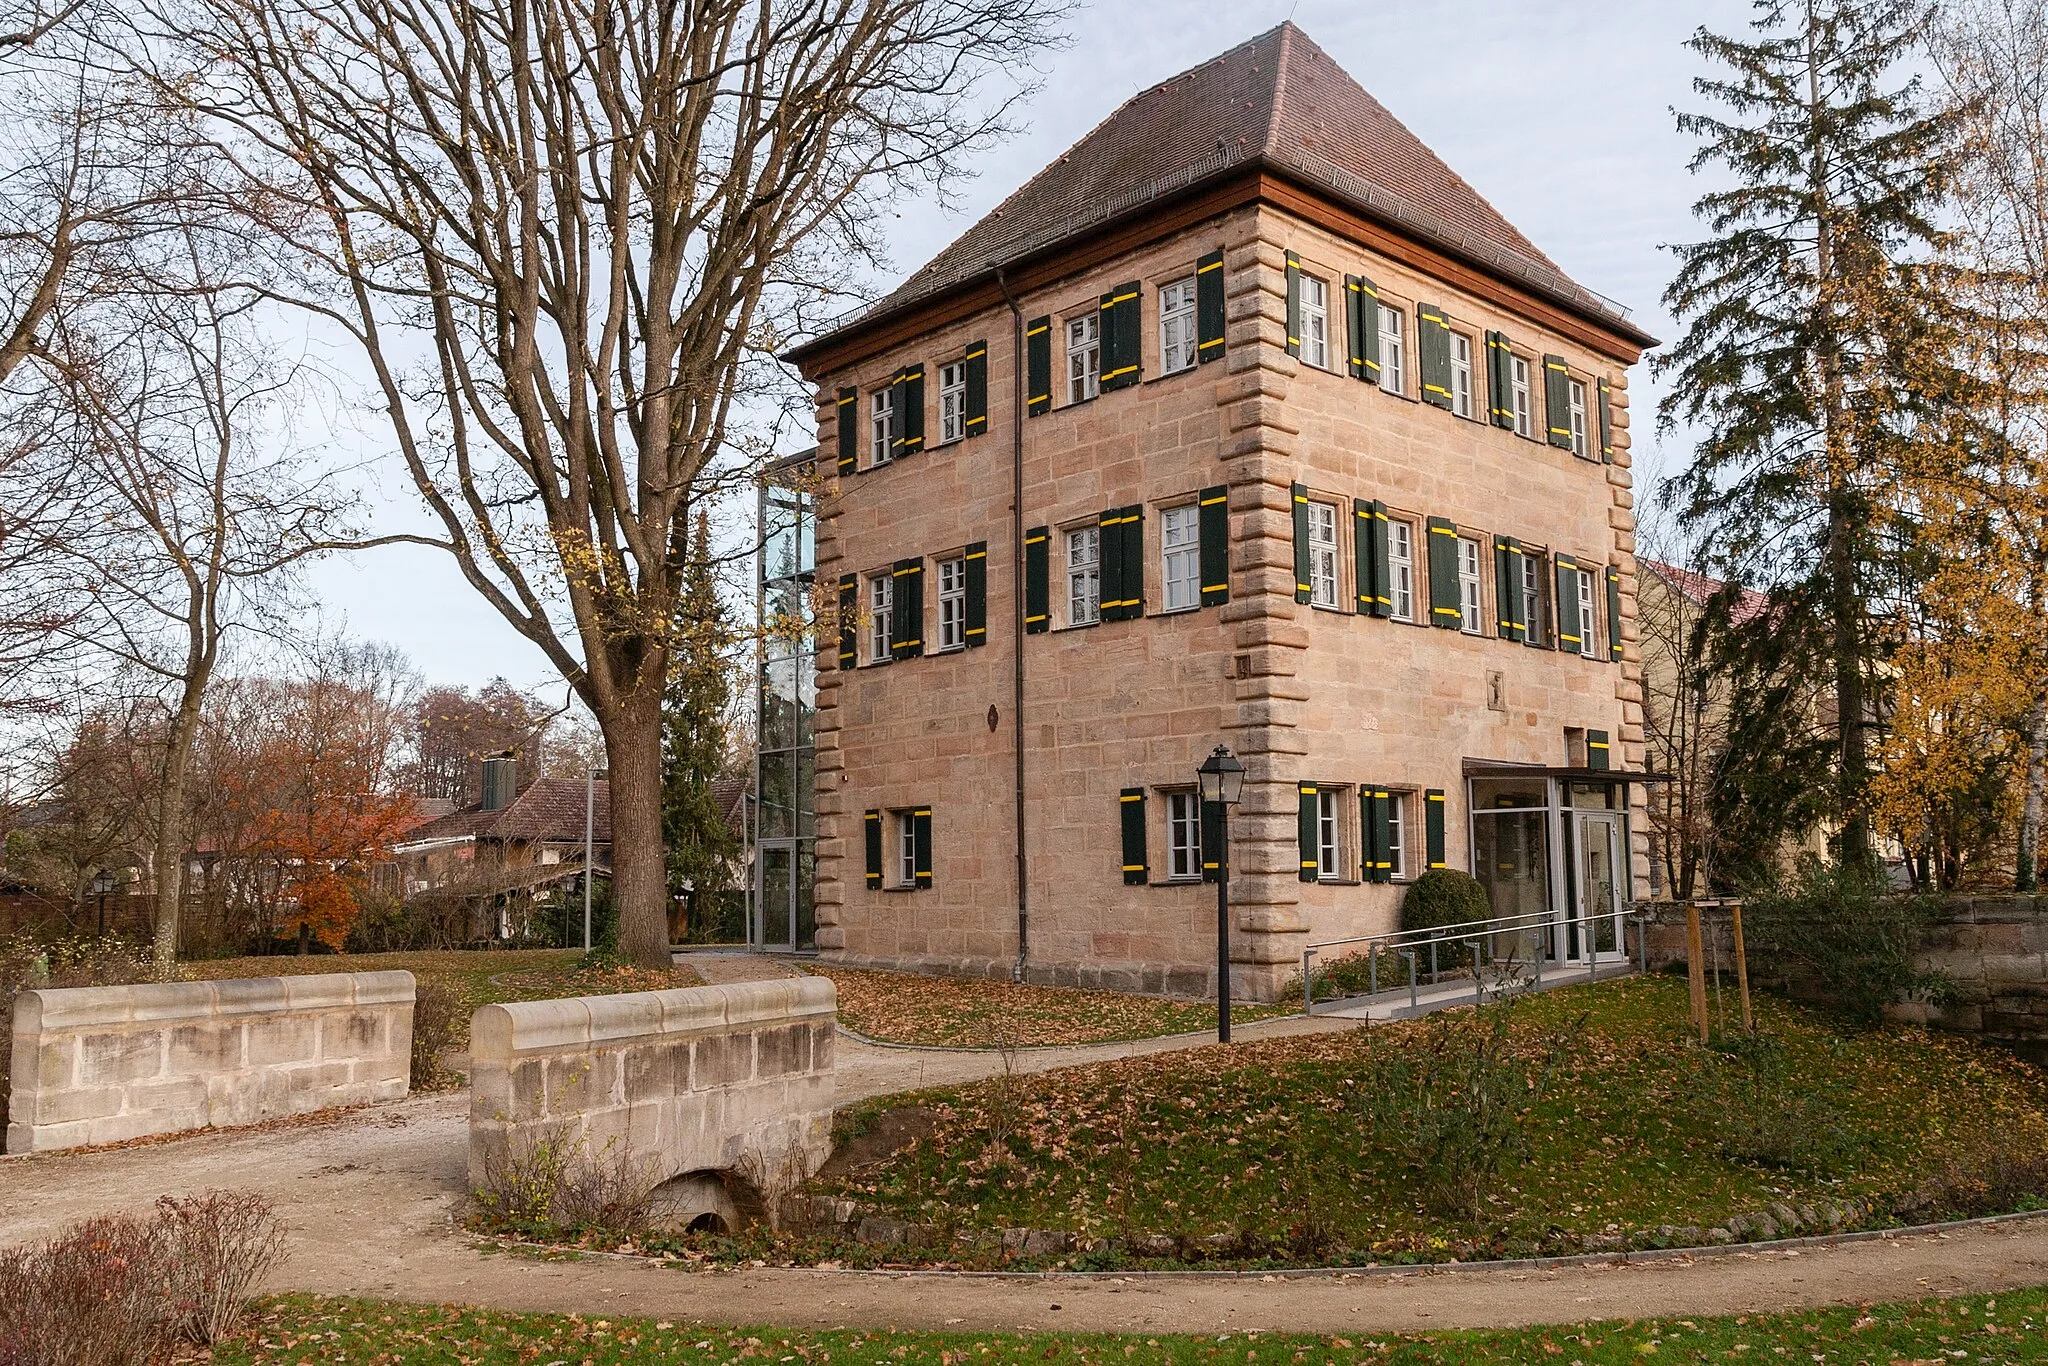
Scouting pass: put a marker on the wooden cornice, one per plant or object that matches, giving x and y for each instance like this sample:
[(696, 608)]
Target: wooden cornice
[(1253, 185)]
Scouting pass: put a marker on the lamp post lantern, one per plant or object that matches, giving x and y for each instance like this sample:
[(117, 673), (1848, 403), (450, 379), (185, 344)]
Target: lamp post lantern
[(102, 883), (1222, 778)]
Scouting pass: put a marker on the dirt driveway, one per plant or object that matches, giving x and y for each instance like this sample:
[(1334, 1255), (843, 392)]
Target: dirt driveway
[(369, 1198)]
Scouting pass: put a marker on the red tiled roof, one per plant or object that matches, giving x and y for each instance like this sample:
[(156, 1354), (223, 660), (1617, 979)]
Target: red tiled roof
[(546, 809), (1277, 102), (1696, 588)]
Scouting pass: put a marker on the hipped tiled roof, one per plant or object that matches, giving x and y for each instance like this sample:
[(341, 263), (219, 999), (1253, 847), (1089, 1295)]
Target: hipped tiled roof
[(1277, 102), (546, 809)]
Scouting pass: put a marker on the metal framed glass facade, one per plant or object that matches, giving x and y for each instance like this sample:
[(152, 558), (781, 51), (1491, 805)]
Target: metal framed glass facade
[(1543, 843), (781, 912)]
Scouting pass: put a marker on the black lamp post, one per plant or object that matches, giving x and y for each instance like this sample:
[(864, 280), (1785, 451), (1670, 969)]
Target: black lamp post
[(102, 883), (1222, 778)]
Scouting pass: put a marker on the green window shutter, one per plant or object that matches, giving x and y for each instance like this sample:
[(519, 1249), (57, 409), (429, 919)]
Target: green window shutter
[(1557, 400), (1613, 614), (849, 623), (910, 407), (1535, 619), (1302, 589), (1444, 608), (1500, 380), (1293, 304), (921, 845), (1214, 526), (1132, 551), (1606, 423), (1132, 803), (1596, 750), (906, 624), (1433, 354), (977, 594), (1037, 589), (873, 831), (1567, 599), (1311, 857), (1507, 569), (1038, 366), (1368, 314), (1109, 565), (1354, 331), (1433, 825), (976, 378), (1121, 353), (1212, 842), (1361, 556), (1377, 805), (1209, 319), (849, 430), (1376, 554)]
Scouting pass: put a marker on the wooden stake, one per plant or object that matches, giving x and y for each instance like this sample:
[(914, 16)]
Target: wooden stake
[(1742, 970), (1696, 968)]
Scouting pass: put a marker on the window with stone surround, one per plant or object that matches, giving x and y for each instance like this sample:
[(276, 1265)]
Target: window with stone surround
[(1180, 550), (1177, 326), (1401, 567), (1183, 836), (1322, 554), (1397, 832), (1471, 616), (1330, 828), (1588, 614), (905, 823), (1518, 390), (953, 603), (1084, 576), (881, 410), (1315, 322), (1461, 374), (1578, 414), (1535, 595), (881, 615), (1084, 357), (1393, 351), (953, 401)]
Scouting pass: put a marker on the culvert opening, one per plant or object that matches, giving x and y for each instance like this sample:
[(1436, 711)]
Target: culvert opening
[(700, 1202)]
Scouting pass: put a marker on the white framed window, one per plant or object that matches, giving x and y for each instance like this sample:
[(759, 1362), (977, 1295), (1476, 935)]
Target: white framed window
[(1180, 551), (952, 603), (1397, 833), (1183, 836), (1401, 568), (1084, 357), (881, 614), (1322, 554), (881, 409), (1315, 322), (1471, 619), (1393, 352), (1461, 374), (1177, 325), (1084, 575), (1518, 392), (1329, 835), (1578, 409), (906, 847), (953, 401), (1533, 616), (1586, 616)]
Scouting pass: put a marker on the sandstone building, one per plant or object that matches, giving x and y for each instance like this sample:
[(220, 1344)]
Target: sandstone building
[(1247, 421)]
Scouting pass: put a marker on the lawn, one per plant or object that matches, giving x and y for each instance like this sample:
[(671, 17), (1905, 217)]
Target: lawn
[(303, 1330), (957, 1012), (476, 978), (1271, 1152)]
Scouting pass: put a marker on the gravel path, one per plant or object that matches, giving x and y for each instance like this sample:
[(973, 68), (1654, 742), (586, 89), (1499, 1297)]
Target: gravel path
[(369, 1198)]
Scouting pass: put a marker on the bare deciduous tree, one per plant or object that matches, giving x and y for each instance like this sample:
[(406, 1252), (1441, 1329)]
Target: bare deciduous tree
[(568, 238)]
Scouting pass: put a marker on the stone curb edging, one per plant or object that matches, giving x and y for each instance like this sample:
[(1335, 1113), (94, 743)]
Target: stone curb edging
[(1710, 1251), (859, 1037)]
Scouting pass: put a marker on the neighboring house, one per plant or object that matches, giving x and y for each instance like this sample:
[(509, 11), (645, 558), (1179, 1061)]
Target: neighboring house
[(511, 853), (1193, 441)]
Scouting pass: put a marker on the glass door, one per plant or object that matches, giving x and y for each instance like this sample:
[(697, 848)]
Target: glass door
[(1597, 846)]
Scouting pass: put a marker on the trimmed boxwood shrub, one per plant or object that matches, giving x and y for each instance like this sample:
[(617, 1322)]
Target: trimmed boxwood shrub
[(1442, 897)]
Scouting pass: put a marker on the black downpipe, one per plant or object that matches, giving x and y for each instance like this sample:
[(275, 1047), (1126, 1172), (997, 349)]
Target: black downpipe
[(1017, 600)]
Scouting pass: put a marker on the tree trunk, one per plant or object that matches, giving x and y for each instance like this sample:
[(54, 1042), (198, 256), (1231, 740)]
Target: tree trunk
[(2027, 874), (632, 747), (170, 824), (1847, 643)]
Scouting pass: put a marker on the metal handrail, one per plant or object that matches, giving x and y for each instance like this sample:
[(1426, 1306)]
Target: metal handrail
[(1408, 944)]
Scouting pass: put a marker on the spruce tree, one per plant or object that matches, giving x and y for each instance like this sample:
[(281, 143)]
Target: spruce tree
[(701, 845), (1808, 352)]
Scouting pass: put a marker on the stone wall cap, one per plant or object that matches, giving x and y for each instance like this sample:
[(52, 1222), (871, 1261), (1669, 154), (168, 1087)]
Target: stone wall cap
[(518, 1028)]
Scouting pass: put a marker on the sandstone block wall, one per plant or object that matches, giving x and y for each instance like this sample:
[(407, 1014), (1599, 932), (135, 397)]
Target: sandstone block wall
[(105, 1064), (694, 1080)]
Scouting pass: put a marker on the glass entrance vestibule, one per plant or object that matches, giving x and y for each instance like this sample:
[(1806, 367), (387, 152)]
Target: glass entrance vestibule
[(1552, 844)]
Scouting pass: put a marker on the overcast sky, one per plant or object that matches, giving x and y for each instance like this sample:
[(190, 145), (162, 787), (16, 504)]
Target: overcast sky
[(1558, 111)]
